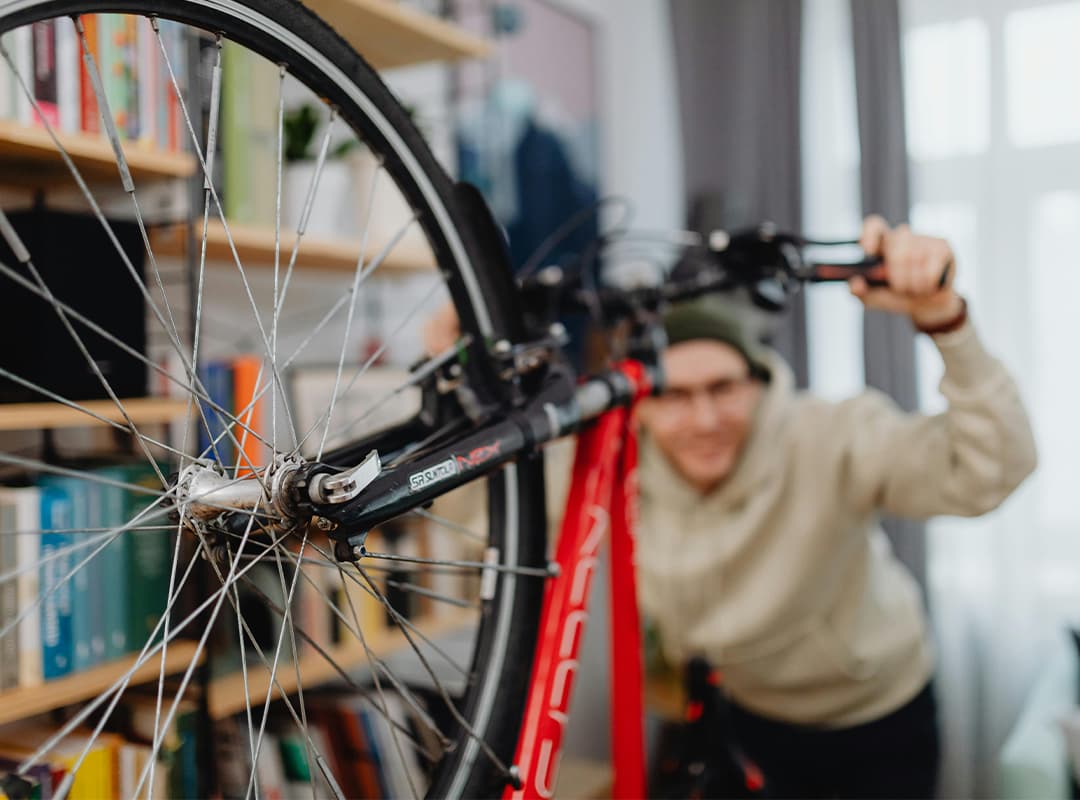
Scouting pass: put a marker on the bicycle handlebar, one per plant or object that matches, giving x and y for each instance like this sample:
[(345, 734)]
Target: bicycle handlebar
[(772, 265)]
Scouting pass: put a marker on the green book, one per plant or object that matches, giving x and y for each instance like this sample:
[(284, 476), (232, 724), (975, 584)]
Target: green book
[(148, 561), (249, 92), (111, 509)]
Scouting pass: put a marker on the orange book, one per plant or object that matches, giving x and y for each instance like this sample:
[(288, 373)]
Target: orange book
[(246, 375), (89, 120)]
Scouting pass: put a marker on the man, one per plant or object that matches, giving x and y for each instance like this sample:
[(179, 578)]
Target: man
[(759, 545)]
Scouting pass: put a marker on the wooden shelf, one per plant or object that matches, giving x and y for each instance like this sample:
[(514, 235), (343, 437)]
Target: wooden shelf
[(33, 416), (227, 692), (255, 246), (391, 35), (16, 704), (27, 152)]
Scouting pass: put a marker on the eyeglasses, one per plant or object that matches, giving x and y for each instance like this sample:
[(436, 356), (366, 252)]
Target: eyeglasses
[(725, 395)]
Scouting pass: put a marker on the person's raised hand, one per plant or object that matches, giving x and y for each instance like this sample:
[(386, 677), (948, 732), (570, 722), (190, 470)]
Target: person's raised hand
[(919, 270)]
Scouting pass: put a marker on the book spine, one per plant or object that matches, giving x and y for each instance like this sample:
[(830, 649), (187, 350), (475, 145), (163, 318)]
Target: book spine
[(111, 42), (148, 83), (68, 97), (217, 377), (89, 116), (56, 634), (114, 587), (176, 46), (27, 501), (45, 90), (22, 55), (9, 600), (93, 586), (130, 55), (148, 557), (246, 372)]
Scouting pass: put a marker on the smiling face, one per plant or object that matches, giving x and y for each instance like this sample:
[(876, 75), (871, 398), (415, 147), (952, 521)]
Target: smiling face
[(702, 421)]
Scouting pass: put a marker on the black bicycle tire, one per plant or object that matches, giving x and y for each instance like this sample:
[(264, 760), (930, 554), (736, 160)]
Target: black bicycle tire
[(518, 491)]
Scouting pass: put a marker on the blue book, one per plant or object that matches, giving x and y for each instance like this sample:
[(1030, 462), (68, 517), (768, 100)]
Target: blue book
[(56, 611), (217, 379), (87, 580)]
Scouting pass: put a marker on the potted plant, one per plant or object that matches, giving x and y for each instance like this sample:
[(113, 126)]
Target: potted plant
[(333, 210)]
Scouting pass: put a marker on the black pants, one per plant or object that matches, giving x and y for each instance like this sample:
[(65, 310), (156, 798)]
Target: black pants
[(893, 757)]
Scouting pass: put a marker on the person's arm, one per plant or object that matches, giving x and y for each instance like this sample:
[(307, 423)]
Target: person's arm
[(966, 460)]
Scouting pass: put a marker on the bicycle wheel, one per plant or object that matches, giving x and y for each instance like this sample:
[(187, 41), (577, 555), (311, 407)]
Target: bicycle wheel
[(442, 715)]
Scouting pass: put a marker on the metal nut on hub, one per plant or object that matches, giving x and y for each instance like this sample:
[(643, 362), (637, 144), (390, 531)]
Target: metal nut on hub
[(324, 524)]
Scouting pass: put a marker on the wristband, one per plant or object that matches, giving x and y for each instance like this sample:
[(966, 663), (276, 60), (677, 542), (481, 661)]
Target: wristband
[(949, 325)]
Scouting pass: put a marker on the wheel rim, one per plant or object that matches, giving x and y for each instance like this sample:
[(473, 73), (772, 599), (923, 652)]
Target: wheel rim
[(481, 701)]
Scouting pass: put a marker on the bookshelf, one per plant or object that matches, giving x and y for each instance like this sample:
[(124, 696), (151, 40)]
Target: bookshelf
[(16, 704), (28, 155), (255, 247), (392, 35), (142, 410), (227, 692)]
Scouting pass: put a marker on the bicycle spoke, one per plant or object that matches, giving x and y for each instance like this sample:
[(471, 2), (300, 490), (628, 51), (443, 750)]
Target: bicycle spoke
[(450, 704), (442, 598), (449, 525), (352, 308), (120, 684), (103, 541), (535, 572), (356, 629), (285, 625), (107, 533), (206, 165), (24, 256), (373, 358), (194, 391), (220, 596), (126, 179), (415, 378), (398, 618)]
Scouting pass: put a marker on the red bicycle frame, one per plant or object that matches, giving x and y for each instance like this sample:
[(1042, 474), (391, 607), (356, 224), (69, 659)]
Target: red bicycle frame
[(603, 498)]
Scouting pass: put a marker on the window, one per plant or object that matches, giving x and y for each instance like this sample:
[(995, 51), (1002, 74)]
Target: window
[(947, 89)]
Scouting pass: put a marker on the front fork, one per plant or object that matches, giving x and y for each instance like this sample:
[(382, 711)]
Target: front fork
[(603, 498)]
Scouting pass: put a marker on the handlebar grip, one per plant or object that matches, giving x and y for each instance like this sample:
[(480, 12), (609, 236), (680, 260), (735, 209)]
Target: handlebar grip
[(870, 268)]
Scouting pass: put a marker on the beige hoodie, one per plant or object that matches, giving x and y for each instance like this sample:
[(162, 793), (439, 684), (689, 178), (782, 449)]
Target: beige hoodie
[(783, 578)]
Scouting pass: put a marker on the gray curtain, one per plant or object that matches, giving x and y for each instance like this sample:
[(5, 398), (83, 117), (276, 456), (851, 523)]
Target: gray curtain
[(889, 340), (737, 69)]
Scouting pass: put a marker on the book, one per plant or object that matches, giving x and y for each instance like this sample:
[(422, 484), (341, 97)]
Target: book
[(129, 55), (40, 776), (113, 66), (114, 589), (56, 612), (148, 85), (45, 73), (247, 371), (217, 380), (87, 573), (96, 777), (399, 766), (9, 601), (20, 45), (26, 501), (249, 131), (175, 41), (68, 99), (148, 561), (89, 115)]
